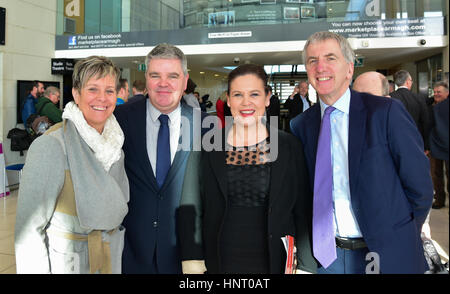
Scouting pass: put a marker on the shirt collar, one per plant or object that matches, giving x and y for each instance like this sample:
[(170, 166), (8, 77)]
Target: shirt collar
[(155, 113), (342, 104)]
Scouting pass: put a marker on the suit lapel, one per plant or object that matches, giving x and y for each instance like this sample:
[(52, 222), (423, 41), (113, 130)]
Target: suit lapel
[(277, 172), (180, 155), (217, 162), (356, 136), (139, 129), (311, 129)]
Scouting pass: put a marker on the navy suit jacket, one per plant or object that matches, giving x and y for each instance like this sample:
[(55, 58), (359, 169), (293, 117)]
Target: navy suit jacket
[(151, 221), (389, 176)]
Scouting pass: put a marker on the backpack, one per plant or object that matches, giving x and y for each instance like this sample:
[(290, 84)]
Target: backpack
[(37, 124), (20, 140)]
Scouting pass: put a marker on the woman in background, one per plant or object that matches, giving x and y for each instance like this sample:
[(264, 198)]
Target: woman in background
[(74, 191)]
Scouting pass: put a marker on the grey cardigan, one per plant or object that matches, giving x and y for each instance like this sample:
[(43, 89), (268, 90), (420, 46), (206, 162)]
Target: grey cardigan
[(69, 210)]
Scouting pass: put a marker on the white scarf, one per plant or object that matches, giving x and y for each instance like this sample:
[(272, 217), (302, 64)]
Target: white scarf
[(106, 146)]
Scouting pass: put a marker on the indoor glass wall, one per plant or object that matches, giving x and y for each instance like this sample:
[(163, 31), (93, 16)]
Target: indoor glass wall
[(105, 16)]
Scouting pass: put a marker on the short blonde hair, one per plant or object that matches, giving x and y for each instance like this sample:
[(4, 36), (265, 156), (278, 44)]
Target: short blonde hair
[(94, 66)]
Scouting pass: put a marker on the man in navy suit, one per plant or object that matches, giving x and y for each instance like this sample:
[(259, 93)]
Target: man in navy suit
[(154, 130), (381, 185)]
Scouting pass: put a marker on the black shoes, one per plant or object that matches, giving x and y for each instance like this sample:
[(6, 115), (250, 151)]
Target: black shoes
[(437, 206)]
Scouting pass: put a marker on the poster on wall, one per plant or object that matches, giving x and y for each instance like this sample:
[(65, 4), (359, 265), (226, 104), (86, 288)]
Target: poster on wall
[(267, 1), (308, 12), (221, 18), (291, 13)]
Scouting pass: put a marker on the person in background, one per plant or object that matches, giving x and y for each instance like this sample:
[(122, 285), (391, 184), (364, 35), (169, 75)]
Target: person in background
[(274, 107), (220, 110), (138, 90), (242, 205), (28, 107), (298, 101), (414, 104), (205, 103), (73, 193), (189, 97), (439, 143), (48, 105), (372, 82), (122, 95), (391, 86), (371, 178)]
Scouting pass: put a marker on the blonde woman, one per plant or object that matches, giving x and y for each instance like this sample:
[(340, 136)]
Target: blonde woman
[(74, 191)]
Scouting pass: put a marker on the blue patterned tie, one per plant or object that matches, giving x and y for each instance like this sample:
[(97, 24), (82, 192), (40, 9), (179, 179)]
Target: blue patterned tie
[(324, 243), (163, 150)]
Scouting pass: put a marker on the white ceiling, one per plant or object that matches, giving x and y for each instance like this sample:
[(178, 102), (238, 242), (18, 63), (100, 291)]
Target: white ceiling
[(214, 63)]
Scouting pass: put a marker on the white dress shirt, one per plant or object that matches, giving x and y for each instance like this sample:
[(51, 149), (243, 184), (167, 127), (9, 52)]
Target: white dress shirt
[(344, 218), (152, 129), (305, 103)]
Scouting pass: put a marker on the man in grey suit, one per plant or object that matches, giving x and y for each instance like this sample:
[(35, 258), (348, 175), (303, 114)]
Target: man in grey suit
[(155, 167)]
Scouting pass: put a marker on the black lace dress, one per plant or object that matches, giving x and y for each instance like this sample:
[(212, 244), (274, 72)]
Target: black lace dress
[(243, 242)]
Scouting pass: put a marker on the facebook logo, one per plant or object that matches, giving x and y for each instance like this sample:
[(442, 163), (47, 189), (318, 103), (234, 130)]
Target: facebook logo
[(72, 41)]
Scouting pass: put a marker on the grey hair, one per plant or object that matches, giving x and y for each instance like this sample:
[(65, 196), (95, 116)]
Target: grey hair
[(441, 84), (346, 49), (400, 77), (384, 85), (50, 90), (94, 66), (167, 51)]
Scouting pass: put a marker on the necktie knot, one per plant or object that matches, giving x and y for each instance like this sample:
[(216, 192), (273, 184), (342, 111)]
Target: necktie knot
[(164, 119), (329, 110)]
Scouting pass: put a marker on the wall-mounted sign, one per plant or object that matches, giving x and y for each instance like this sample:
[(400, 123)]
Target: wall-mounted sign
[(74, 16), (62, 66), (2, 25), (142, 67), (379, 28), (359, 61)]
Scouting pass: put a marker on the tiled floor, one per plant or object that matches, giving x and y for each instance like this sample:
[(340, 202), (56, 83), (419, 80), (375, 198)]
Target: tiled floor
[(7, 221), (439, 223)]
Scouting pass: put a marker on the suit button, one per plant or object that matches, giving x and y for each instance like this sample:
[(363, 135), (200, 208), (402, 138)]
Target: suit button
[(155, 224)]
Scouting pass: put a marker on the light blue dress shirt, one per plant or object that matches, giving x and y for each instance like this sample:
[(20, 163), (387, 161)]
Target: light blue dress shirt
[(305, 103), (344, 219)]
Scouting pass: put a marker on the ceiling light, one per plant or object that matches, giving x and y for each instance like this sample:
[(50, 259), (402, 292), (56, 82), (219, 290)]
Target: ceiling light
[(202, 72)]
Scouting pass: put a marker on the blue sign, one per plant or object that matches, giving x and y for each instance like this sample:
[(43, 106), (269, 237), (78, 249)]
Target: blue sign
[(72, 40)]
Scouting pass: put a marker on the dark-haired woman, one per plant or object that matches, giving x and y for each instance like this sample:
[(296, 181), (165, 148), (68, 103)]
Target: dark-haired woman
[(253, 191)]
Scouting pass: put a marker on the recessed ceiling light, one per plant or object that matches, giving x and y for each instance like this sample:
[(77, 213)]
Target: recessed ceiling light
[(202, 72)]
